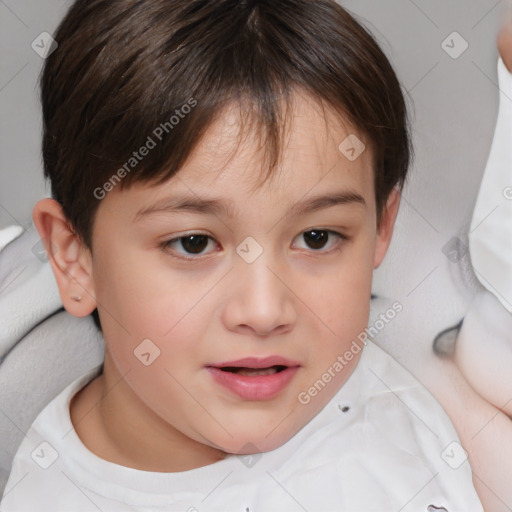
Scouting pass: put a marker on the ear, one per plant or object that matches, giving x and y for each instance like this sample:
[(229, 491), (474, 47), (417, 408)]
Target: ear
[(71, 261), (386, 225)]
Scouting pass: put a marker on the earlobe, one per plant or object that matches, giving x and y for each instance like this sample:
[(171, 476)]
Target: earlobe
[(386, 225), (71, 261)]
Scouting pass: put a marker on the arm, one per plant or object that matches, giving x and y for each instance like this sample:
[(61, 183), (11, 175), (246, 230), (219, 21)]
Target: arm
[(485, 433)]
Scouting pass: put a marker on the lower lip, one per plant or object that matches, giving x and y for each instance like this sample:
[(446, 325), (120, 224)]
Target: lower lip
[(259, 387)]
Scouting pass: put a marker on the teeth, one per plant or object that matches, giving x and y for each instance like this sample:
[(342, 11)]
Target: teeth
[(253, 372)]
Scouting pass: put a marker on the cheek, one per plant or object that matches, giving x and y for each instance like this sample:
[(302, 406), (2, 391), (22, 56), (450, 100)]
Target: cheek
[(341, 296), (140, 299), (139, 292)]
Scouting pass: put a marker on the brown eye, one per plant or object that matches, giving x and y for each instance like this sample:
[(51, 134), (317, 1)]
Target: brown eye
[(316, 239), (319, 240), (194, 244)]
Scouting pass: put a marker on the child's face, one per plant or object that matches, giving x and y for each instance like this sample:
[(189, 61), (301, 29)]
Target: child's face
[(203, 305)]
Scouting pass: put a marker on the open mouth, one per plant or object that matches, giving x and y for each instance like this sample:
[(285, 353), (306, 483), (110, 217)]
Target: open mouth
[(254, 372), (253, 378)]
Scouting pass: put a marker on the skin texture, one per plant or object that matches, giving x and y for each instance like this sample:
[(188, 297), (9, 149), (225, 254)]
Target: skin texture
[(505, 42), (294, 301), (484, 433)]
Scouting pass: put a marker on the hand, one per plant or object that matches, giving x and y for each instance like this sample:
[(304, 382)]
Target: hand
[(505, 42)]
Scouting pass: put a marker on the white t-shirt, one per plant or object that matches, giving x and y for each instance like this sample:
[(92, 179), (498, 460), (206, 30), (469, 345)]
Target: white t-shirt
[(490, 234), (381, 444)]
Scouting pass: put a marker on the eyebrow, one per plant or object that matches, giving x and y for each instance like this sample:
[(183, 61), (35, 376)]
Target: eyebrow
[(223, 208)]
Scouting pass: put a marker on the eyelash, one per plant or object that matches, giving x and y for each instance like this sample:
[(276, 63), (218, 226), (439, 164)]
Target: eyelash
[(166, 246)]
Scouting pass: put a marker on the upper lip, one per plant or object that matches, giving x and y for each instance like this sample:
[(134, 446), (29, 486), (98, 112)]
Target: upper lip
[(257, 362)]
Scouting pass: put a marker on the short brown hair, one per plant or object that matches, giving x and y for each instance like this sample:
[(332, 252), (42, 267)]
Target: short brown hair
[(125, 67)]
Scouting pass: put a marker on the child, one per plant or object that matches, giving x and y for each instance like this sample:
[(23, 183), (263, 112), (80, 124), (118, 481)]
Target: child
[(225, 178)]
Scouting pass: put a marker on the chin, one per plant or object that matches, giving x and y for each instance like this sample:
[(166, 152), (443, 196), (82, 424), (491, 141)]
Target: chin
[(248, 442)]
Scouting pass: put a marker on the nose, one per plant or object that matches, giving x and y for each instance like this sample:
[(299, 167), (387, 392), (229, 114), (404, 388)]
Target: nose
[(260, 301)]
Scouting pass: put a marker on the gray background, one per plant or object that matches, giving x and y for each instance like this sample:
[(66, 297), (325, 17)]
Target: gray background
[(21, 179)]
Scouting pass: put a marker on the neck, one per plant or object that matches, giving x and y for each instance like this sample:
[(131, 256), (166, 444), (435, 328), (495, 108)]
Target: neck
[(117, 426)]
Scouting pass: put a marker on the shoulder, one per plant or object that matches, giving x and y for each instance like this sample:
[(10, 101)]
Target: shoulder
[(394, 397), (407, 435), (37, 471)]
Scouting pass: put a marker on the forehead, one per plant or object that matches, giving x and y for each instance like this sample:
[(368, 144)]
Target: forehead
[(229, 163), (316, 145)]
